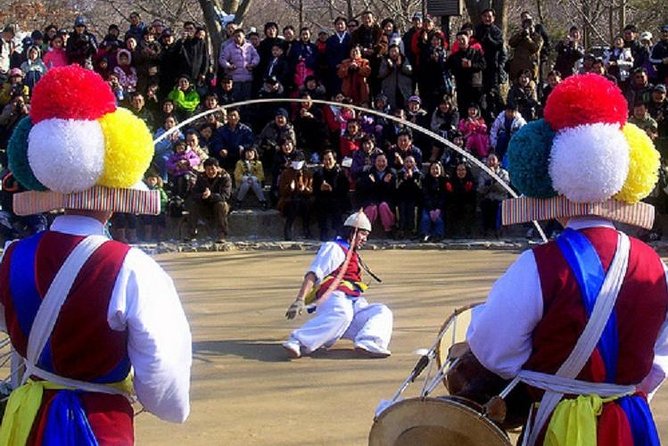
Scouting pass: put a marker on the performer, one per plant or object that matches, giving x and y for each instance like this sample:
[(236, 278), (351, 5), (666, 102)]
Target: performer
[(334, 283), (593, 286), (94, 321)]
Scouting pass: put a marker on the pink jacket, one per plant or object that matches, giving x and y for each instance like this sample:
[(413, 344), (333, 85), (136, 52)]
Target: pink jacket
[(55, 58)]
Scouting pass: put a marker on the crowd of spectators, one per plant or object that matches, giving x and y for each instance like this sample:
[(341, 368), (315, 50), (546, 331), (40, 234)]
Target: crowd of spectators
[(316, 162)]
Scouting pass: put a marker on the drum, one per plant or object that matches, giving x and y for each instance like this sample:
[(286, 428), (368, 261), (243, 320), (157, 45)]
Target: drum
[(435, 422)]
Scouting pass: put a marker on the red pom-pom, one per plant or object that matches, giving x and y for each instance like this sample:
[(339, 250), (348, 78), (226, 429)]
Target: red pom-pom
[(585, 99), (71, 92)]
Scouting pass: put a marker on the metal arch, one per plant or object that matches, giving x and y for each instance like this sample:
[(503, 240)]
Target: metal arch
[(409, 124)]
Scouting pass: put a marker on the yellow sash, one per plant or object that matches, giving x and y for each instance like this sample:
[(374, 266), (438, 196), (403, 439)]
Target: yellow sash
[(573, 422), (311, 296)]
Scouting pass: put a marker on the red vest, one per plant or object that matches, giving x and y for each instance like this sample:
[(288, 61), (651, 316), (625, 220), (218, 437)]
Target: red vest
[(352, 274)]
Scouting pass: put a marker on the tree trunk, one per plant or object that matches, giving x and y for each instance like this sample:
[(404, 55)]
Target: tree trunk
[(213, 25)]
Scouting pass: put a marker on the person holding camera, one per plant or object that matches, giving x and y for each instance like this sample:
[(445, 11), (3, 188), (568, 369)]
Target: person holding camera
[(526, 45), (569, 51)]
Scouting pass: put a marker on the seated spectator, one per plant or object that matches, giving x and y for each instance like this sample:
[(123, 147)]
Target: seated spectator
[(127, 74), (474, 131), (444, 121), (452, 158), (181, 168), (364, 158), (209, 199), (491, 193), (192, 141), (14, 87), (350, 141), (206, 132), (418, 116), (599, 68), (116, 88), (639, 88), (376, 193), (504, 127), (138, 108), (330, 190), (553, 79), (618, 60), (163, 149), (432, 222), (354, 73), (33, 67), (230, 140), (249, 174), (467, 66), (271, 89), (404, 148), (238, 60), (526, 45), (524, 95), (309, 124), (11, 115), (185, 98), (395, 74), (123, 227), (55, 56), (409, 192), (14, 226), (460, 202), (286, 154), (209, 102), (658, 109), (392, 130), (268, 140), (313, 88), (225, 90), (295, 198), (644, 121), (154, 225)]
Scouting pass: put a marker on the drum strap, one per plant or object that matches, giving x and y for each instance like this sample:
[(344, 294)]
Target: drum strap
[(605, 303)]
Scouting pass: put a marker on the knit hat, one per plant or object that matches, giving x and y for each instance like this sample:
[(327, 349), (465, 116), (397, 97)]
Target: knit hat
[(582, 159), (77, 150)]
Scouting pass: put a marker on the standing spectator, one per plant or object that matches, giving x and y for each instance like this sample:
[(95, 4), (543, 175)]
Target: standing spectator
[(338, 49), (659, 56), (295, 196), (416, 28), (618, 60), (14, 87), (546, 49), (265, 52), (288, 39), (432, 223), (81, 45), (210, 199), (460, 201), (154, 224), (409, 192), (434, 80), (467, 66), (185, 98), (490, 38), (286, 154), (366, 37), (631, 41), (504, 127), (146, 56), (303, 58), (33, 67), (169, 63), (395, 75), (569, 52), (639, 88), (56, 55), (136, 28), (6, 50), (474, 131), (526, 44), (658, 109), (277, 66), (524, 95), (193, 54), (491, 193), (330, 191), (249, 174), (354, 73), (239, 59), (376, 193), (138, 107), (230, 140)]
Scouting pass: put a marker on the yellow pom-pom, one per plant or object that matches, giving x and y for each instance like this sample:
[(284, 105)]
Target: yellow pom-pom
[(128, 149), (643, 166)]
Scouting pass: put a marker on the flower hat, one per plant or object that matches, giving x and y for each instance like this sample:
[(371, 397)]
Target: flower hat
[(77, 150), (582, 159)]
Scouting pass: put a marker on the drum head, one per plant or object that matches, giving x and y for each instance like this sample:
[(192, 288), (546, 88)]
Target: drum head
[(434, 422)]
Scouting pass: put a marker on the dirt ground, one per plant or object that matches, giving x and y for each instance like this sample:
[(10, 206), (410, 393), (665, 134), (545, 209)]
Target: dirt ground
[(245, 391)]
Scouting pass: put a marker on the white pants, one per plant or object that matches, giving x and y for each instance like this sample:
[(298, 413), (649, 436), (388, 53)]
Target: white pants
[(368, 326)]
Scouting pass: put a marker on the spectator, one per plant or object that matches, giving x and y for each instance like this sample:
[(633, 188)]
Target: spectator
[(416, 28), (524, 95), (56, 55), (6, 50), (639, 88), (367, 35), (618, 60), (139, 109), (181, 168), (169, 62), (81, 45), (659, 56), (271, 89), (526, 44), (460, 201), (644, 121), (631, 41), (146, 56), (126, 73), (409, 192), (504, 127), (154, 225), (278, 66), (249, 174), (136, 28), (303, 58), (364, 158), (295, 197), (286, 154), (225, 91), (350, 141), (193, 55), (12, 113), (230, 140), (553, 79), (444, 121), (116, 87), (491, 193), (397, 154), (309, 124), (192, 141), (210, 199), (265, 52), (338, 49), (185, 98), (288, 39), (392, 130), (474, 131), (467, 66), (546, 48), (163, 148), (14, 87), (239, 59), (111, 40), (658, 109), (33, 67), (432, 223), (376, 193), (330, 191), (490, 38), (277, 129), (418, 116), (434, 79), (354, 73), (569, 52), (395, 74)]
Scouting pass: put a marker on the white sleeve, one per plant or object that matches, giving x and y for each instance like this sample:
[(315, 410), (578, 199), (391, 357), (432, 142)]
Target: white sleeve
[(145, 302), (329, 257), (659, 370), (500, 332)]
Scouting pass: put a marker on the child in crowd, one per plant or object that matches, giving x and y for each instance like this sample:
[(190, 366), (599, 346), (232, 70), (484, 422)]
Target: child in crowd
[(474, 131), (249, 174), (102, 68), (55, 56), (553, 79), (127, 74), (163, 148), (33, 67), (116, 87), (185, 98), (192, 141), (14, 87), (432, 223), (154, 224), (181, 166)]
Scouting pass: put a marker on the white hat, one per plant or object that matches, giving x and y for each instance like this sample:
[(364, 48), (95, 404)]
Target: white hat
[(646, 35), (358, 220)]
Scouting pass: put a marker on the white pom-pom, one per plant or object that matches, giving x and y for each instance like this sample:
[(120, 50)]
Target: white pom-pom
[(589, 163), (66, 155)]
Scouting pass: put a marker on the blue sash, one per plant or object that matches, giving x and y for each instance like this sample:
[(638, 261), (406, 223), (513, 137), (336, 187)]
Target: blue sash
[(67, 424)]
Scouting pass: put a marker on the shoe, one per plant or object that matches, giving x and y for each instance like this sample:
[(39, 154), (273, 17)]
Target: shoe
[(372, 354), (425, 239), (293, 348)]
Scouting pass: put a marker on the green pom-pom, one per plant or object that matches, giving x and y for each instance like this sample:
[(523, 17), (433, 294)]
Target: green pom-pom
[(17, 153), (529, 159)]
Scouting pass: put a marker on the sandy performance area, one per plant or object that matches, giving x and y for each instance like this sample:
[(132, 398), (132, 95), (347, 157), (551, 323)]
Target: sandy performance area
[(245, 391)]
